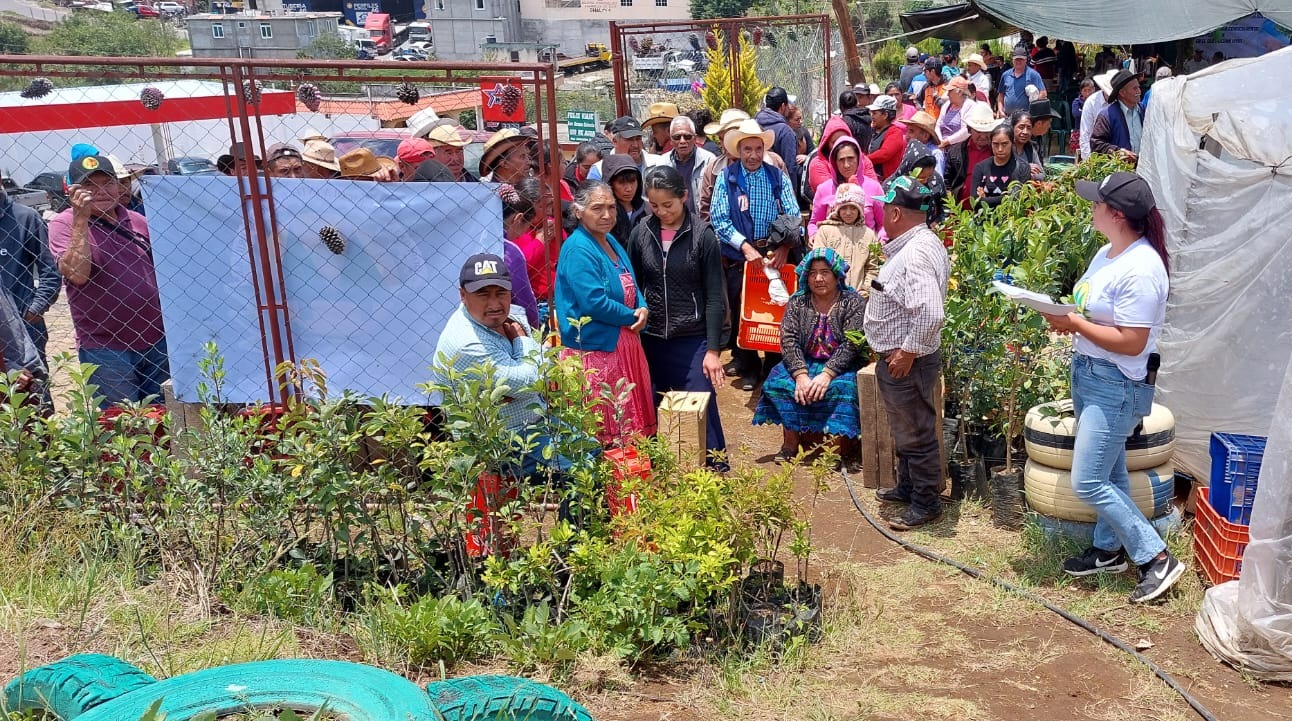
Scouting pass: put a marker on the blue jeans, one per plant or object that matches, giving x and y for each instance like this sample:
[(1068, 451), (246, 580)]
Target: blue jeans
[(1108, 406), (127, 375)]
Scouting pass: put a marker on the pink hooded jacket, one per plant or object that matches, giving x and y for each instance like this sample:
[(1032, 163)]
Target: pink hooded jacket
[(820, 170), (824, 196)]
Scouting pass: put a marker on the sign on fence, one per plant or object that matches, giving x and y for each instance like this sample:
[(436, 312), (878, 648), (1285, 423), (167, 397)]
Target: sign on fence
[(582, 125)]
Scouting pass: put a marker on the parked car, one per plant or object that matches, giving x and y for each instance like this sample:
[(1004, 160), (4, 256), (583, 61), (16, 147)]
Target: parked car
[(190, 165), (171, 9), (53, 184), (411, 55), (143, 11), (33, 198), (366, 48)]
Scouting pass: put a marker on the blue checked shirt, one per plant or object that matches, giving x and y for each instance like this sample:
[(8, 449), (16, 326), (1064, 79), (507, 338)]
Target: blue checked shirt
[(762, 205), (467, 345)]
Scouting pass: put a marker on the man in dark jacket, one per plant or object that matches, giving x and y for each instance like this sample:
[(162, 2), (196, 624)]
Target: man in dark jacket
[(785, 142), (28, 274), (1120, 127), (857, 117), (17, 352), (911, 70)]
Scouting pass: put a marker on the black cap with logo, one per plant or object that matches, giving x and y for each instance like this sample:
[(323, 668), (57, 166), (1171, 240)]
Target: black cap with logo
[(627, 126), (483, 270), (1126, 192), (82, 168), (904, 191)]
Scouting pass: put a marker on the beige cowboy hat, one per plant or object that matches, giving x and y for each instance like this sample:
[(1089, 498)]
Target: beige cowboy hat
[(923, 121), (976, 59), (320, 153), (981, 118), (660, 113), (311, 134), (746, 129), (730, 118), (447, 135), (362, 163), (497, 145)]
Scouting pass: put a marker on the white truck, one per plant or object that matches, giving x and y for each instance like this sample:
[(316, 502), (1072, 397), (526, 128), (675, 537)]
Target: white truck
[(656, 65)]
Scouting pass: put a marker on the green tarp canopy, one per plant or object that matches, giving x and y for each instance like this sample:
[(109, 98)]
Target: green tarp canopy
[(1106, 22)]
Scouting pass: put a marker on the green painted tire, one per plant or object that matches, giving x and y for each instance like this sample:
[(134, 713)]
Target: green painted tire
[(73, 686), (502, 698), (349, 690)]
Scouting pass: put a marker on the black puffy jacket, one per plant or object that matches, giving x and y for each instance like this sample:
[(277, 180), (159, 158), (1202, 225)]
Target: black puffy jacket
[(684, 288)]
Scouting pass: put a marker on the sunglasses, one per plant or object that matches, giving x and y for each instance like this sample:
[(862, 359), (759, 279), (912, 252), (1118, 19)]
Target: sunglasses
[(683, 136)]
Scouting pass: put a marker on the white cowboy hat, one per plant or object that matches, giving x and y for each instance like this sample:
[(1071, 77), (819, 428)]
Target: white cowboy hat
[(981, 118), (320, 153), (1104, 81), (746, 129), (730, 118), (976, 59)]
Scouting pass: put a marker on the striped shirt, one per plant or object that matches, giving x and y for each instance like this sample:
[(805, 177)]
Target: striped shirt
[(908, 313), (762, 205), (467, 347)]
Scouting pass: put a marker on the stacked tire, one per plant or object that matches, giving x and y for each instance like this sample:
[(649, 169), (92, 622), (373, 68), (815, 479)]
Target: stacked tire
[(1049, 435)]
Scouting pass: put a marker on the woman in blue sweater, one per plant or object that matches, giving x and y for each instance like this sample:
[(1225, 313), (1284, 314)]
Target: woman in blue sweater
[(600, 311)]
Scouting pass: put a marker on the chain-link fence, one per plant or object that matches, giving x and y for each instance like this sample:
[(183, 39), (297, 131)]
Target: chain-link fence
[(158, 207), (669, 61)]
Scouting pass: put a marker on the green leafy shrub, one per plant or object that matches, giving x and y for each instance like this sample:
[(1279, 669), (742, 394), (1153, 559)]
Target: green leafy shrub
[(291, 594), (448, 630)]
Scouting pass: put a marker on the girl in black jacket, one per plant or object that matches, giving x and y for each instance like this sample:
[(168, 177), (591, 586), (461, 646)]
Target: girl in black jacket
[(678, 265)]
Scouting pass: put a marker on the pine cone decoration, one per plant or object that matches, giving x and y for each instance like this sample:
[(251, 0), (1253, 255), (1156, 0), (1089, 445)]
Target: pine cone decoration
[(407, 92), (38, 88), (510, 98), (711, 39), (151, 98), (331, 237), (757, 36), (251, 91), (308, 94)]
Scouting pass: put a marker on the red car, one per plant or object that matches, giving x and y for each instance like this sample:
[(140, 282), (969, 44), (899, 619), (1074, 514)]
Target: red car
[(144, 11)]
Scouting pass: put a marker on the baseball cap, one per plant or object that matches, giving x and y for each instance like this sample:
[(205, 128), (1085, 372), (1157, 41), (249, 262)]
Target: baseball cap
[(283, 150), (1019, 51), (934, 64), (483, 270), (884, 102), (627, 126), (907, 192), (912, 53), (83, 168), (1123, 191), (414, 150), (236, 150)]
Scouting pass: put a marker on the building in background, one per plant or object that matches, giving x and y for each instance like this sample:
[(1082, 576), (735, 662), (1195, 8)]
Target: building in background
[(257, 35), (460, 27), (572, 24)]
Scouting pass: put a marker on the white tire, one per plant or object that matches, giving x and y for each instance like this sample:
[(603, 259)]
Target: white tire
[(1049, 432), (1049, 492)]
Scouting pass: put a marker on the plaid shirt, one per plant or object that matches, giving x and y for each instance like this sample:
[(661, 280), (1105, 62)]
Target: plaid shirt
[(909, 312), (467, 345), (762, 205)]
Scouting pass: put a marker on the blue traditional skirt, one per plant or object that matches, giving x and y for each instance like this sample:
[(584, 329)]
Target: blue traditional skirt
[(837, 414)]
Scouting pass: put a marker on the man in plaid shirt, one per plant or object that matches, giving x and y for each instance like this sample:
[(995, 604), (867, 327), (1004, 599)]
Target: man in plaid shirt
[(904, 325)]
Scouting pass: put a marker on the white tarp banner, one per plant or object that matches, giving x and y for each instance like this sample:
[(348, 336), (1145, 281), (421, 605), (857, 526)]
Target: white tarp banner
[(1218, 153)]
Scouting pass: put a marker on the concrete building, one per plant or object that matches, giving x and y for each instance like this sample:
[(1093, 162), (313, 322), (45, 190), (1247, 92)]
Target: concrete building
[(571, 24), (460, 27), (257, 35)]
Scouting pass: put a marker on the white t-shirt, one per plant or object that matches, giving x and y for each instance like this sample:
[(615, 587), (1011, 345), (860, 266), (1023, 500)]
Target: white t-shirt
[(1128, 291)]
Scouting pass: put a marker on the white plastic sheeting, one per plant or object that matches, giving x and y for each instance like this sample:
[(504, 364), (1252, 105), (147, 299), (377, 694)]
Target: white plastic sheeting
[(1218, 153)]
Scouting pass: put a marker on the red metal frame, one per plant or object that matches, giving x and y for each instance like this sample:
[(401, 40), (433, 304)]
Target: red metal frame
[(729, 27), (260, 219)]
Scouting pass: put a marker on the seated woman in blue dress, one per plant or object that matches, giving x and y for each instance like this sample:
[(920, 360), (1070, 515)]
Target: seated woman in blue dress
[(813, 390)]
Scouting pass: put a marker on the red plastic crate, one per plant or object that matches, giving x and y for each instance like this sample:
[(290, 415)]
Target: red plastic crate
[(627, 464), (760, 318), (486, 533), (1218, 544)]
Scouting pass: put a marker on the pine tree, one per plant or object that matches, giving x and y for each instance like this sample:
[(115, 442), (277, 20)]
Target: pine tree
[(718, 92), (752, 90)]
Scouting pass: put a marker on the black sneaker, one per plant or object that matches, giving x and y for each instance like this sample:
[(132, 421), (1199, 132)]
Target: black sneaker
[(1096, 560), (1156, 577), (732, 370), (913, 518), (893, 495)]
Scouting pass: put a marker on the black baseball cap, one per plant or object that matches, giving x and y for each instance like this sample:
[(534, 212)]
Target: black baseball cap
[(627, 126), (1126, 192), (82, 168), (907, 192), (933, 64), (483, 270)]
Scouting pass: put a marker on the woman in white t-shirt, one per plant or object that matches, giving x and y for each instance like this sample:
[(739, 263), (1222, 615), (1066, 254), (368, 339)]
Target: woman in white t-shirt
[(1121, 305)]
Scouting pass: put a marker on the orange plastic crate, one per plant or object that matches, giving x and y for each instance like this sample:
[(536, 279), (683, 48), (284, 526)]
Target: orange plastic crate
[(627, 463), (1218, 544), (760, 318)]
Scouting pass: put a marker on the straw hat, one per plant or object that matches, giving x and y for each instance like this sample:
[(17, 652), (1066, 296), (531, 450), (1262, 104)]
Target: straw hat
[(730, 118), (981, 118), (976, 59), (497, 145), (447, 135), (320, 153), (361, 163), (748, 128), (660, 113), (923, 121), (311, 134)]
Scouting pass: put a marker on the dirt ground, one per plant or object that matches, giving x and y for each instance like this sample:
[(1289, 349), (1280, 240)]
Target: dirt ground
[(905, 638)]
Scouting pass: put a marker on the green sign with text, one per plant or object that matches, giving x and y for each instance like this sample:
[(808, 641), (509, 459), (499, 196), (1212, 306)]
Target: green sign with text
[(582, 125)]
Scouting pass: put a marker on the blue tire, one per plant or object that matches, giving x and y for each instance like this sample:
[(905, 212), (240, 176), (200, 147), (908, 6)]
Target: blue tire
[(502, 698), (71, 687)]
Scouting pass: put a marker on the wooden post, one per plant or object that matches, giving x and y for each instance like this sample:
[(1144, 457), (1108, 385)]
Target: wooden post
[(852, 57)]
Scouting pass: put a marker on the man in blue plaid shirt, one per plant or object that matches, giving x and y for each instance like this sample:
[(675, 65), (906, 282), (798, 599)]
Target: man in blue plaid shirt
[(747, 197)]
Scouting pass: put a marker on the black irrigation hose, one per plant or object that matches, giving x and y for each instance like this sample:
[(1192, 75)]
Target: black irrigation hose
[(979, 574)]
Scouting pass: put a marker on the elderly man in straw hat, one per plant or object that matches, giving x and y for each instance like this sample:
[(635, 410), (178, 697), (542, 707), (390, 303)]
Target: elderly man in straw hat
[(962, 157), (1093, 108), (748, 196), (657, 123), (921, 132), (506, 157), (448, 144), (320, 159), (976, 71), (729, 119)]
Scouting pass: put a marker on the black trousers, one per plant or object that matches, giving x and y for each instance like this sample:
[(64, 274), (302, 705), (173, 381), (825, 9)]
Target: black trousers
[(913, 421)]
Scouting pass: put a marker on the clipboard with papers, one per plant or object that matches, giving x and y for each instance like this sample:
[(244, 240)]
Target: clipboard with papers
[(1036, 301)]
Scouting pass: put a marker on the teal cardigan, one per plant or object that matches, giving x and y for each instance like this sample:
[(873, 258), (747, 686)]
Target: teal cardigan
[(587, 285)]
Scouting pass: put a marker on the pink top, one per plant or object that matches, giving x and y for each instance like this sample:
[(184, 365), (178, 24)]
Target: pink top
[(535, 259), (119, 307), (824, 198), (666, 237)]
